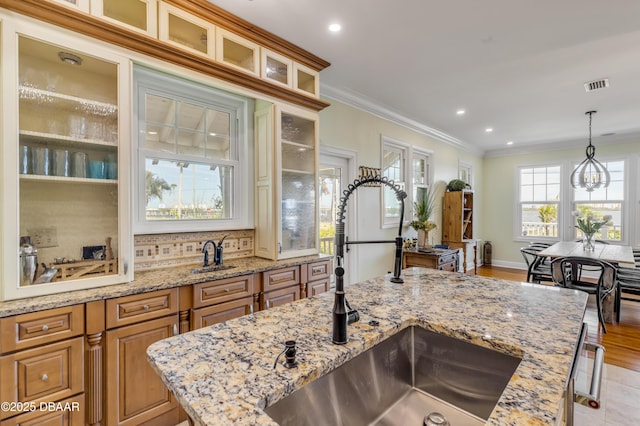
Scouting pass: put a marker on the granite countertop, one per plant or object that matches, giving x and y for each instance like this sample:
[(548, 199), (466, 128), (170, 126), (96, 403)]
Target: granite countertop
[(145, 281), (224, 374)]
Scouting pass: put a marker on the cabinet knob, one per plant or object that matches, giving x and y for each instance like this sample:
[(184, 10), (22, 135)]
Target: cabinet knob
[(267, 303), (175, 329), (45, 327), (226, 290), (145, 307), (44, 377)]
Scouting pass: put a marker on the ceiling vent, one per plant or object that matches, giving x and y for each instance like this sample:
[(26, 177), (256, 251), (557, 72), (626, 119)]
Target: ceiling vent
[(590, 86)]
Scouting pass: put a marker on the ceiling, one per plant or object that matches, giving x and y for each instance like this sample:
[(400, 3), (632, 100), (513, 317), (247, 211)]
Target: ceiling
[(517, 66)]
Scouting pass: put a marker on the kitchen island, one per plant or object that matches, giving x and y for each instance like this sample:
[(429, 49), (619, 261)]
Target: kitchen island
[(224, 374)]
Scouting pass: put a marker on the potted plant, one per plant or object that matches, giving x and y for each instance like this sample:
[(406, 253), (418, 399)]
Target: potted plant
[(423, 209)]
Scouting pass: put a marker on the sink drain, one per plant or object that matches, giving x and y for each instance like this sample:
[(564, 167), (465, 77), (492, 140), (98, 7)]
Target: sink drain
[(435, 419)]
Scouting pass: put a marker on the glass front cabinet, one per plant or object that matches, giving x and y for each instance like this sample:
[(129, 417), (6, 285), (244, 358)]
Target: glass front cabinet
[(286, 182), (66, 213)]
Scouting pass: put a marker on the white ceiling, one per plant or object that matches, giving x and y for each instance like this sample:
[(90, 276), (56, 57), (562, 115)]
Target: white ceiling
[(517, 66)]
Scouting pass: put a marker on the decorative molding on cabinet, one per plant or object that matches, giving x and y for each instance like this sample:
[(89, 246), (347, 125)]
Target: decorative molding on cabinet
[(95, 27)]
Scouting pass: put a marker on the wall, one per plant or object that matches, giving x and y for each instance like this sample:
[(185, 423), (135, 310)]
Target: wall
[(500, 197), (346, 127)]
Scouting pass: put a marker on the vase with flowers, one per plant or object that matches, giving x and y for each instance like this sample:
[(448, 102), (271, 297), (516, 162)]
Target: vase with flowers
[(423, 209), (588, 224)]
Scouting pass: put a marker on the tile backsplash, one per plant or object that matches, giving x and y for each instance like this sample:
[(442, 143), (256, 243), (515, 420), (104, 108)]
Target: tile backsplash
[(165, 250)]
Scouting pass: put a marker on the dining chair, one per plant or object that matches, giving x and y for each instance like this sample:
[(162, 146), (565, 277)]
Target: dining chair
[(628, 282), (565, 273), (538, 269)]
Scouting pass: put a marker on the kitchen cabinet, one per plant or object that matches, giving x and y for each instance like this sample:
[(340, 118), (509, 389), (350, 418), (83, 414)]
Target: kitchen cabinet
[(136, 15), (135, 394), (457, 224), (443, 260), (65, 163), (286, 181), (277, 68), (186, 31), (237, 52), (82, 5), (306, 80), (222, 300), (280, 286), (42, 361), (316, 277)]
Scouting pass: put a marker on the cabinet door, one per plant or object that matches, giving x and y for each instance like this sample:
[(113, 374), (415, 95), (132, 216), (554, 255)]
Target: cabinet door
[(137, 15), (297, 188), (274, 298), (63, 176), (317, 287), (135, 393), (47, 373), (222, 312), (68, 412)]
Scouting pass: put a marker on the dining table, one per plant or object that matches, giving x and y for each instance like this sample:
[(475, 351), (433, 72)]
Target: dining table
[(617, 255)]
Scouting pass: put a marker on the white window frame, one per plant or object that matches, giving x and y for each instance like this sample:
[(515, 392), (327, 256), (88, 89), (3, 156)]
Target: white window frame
[(407, 153), (517, 223), (625, 234), (156, 82), (465, 172), (390, 144), (567, 203)]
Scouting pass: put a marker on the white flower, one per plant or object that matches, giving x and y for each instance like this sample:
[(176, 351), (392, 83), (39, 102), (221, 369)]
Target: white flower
[(590, 216), (575, 213), (607, 217)]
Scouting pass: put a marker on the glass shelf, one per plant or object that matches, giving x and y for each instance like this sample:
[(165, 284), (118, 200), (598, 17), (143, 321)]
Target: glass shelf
[(45, 97), (65, 179)]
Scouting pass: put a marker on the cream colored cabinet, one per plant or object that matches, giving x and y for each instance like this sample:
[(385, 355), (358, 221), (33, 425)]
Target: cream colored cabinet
[(82, 5), (137, 15), (306, 80), (237, 52), (186, 31), (65, 159), (286, 182), (134, 392), (277, 68)]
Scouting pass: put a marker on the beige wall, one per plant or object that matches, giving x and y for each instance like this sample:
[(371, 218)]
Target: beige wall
[(500, 197), (346, 127)]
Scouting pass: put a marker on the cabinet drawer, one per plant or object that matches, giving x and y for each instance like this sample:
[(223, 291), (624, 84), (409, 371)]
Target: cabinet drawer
[(141, 307), (446, 258), (47, 373), (316, 287), (317, 271), (68, 412), (210, 293), (280, 297), (221, 312), (280, 278), (451, 266), (38, 328)]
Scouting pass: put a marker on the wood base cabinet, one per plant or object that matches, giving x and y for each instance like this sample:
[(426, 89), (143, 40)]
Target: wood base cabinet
[(135, 394), (443, 260)]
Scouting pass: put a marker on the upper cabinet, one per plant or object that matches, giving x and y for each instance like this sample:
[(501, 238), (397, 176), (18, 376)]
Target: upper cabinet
[(186, 31), (137, 15), (65, 111), (194, 34), (286, 182)]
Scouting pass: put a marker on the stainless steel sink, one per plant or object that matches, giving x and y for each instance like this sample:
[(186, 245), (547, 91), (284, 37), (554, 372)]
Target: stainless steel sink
[(211, 268), (402, 380)]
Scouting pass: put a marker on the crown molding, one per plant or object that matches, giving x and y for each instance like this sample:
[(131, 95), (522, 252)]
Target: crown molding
[(363, 103)]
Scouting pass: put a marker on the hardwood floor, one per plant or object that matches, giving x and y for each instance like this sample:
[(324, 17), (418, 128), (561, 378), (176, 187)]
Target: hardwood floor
[(622, 340)]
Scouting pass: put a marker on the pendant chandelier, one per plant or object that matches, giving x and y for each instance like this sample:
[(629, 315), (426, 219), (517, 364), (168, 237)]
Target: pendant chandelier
[(590, 174)]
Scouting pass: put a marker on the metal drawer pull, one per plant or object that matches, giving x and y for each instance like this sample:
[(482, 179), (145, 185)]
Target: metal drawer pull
[(145, 307), (267, 303), (45, 327), (592, 399), (251, 308), (44, 377), (175, 329)]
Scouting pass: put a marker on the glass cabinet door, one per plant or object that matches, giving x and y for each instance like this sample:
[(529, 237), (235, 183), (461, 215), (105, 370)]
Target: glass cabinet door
[(70, 222), (137, 15), (298, 154)]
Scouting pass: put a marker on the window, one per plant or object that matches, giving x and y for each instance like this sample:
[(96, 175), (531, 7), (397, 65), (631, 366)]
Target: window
[(539, 201), (604, 201), (192, 156), (409, 168), (465, 172), (394, 155)]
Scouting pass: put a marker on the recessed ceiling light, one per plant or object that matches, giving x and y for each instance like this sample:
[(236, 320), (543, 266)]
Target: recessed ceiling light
[(489, 129), (460, 112), (509, 142), (335, 27)]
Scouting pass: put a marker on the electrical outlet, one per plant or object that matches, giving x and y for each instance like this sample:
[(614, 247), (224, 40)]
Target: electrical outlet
[(43, 237)]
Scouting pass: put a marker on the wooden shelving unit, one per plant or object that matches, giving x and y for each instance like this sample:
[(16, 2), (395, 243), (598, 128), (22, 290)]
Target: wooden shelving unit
[(457, 224)]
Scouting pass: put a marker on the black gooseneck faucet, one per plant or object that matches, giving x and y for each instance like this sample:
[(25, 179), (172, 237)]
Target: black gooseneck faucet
[(341, 312)]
